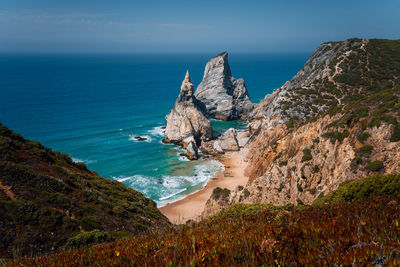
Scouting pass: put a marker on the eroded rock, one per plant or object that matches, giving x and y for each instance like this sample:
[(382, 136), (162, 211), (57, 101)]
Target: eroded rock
[(225, 97), (187, 118)]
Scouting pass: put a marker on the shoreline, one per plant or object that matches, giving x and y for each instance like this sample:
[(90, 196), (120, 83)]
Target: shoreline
[(191, 206)]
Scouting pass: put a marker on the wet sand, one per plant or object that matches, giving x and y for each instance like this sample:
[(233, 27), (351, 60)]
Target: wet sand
[(191, 207)]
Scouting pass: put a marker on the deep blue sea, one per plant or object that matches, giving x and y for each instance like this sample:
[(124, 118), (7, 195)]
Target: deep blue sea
[(91, 107)]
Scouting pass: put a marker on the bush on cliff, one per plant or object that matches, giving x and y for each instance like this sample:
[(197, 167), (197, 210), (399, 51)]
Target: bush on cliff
[(88, 238), (377, 185)]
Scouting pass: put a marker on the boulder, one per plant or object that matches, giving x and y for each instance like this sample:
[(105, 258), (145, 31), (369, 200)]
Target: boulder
[(225, 97), (187, 118), (190, 145), (243, 138), (227, 141)]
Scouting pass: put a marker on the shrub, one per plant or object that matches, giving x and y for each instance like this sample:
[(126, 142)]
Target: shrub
[(316, 168), (240, 187), (377, 185), (290, 124), (89, 223), (88, 238), (306, 155), (281, 186), (396, 133), (333, 136), (299, 188), (356, 161), (365, 150), (375, 165), (218, 193), (283, 163), (363, 137), (246, 193)]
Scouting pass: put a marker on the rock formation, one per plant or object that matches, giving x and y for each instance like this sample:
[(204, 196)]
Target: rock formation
[(187, 124), (230, 140), (225, 97)]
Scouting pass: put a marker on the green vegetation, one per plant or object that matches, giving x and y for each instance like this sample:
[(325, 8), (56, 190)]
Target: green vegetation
[(89, 238), (356, 161), (377, 185), (54, 198), (306, 155), (316, 168), (395, 137), (365, 150), (246, 193), (283, 163), (290, 124), (375, 165), (333, 136), (219, 193), (362, 137)]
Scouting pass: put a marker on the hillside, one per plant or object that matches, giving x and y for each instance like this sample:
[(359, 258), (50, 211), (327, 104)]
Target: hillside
[(336, 120), (357, 231), (46, 199)]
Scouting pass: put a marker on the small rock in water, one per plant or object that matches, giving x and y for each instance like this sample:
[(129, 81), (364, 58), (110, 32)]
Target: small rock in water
[(140, 138)]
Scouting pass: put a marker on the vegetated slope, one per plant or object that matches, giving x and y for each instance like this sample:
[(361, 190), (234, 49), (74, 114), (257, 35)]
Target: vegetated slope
[(337, 73), (338, 119), (362, 232), (46, 198)]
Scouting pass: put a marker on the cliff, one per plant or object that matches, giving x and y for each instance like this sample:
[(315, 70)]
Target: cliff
[(225, 97), (336, 120), (47, 201)]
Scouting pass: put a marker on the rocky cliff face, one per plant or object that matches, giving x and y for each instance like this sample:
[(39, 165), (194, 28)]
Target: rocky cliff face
[(187, 124), (225, 97), (338, 119)]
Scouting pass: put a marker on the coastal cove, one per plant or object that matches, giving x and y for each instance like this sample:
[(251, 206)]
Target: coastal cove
[(100, 103)]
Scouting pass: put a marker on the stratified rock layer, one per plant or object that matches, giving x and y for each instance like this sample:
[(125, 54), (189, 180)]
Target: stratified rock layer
[(188, 119), (225, 97)]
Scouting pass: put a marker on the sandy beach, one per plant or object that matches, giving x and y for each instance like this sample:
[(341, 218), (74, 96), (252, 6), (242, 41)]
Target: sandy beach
[(191, 207)]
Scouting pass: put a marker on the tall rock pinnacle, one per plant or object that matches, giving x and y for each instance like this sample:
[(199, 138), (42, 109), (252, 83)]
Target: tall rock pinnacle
[(187, 124), (225, 97)]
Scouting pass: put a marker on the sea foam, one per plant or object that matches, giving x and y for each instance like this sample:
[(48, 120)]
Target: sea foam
[(169, 188), (157, 131)]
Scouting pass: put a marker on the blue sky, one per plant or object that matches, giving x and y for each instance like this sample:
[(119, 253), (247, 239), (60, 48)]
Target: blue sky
[(190, 26)]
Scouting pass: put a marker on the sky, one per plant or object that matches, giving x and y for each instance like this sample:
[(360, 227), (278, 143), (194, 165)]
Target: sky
[(172, 26)]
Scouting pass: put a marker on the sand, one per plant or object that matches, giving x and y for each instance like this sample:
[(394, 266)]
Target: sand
[(191, 207)]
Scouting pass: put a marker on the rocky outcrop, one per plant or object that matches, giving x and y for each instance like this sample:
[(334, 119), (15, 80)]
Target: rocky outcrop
[(230, 140), (187, 124), (225, 97), (192, 151)]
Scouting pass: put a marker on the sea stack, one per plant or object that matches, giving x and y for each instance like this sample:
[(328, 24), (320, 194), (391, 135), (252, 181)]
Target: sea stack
[(187, 124), (225, 97)]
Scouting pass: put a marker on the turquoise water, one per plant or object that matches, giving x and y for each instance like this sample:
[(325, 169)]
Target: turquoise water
[(91, 107)]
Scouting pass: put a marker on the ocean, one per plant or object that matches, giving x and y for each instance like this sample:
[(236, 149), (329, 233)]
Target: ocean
[(92, 106)]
